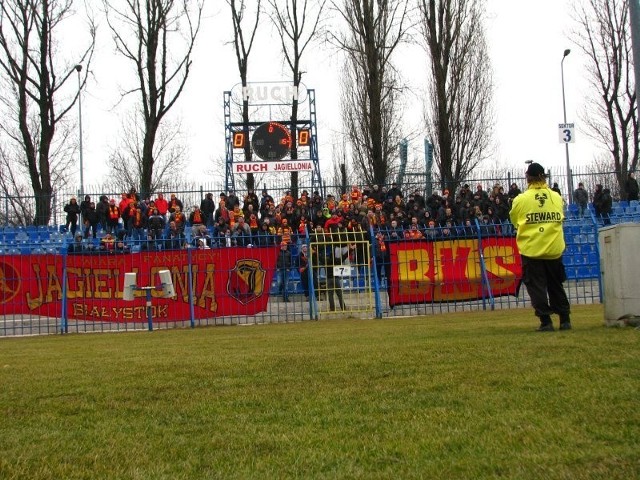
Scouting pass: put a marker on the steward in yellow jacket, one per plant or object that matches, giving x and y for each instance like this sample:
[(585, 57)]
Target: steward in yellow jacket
[(537, 215)]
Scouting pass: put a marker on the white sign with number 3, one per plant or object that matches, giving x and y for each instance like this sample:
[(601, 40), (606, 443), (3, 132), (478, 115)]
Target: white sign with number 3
[(566, 132)]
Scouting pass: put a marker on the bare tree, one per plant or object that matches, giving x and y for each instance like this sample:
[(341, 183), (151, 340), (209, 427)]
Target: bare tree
[(298, 25), (341, 173), (169, 153), (16, 208), (611, 116), (148, 33), (371, 87), (601, 170), (243, 50), (459, 115), (35, 100)]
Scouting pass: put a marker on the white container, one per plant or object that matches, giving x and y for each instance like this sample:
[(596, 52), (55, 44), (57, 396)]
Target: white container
[(620, 268)]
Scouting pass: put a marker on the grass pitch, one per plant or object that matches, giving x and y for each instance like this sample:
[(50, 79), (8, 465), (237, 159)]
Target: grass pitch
[(464, 395)]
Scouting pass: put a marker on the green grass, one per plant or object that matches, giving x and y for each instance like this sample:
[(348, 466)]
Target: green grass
[(465, 395)]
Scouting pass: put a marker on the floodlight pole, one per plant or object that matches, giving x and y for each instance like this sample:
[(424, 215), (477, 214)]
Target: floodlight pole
[(566, 144), (634, 14), (79, 69)]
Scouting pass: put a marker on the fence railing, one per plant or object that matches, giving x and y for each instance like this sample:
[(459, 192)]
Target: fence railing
[(51, 284)]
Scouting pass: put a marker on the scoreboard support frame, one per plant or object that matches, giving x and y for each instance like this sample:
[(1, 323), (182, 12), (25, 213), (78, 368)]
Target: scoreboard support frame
[(233, 127)]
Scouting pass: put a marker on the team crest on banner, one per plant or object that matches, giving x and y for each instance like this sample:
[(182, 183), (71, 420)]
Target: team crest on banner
[(9, 282), (246, 281)]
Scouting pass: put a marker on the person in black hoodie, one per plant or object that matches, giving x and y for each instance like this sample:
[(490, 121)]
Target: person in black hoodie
[(90, 220), (102, 209), (283, 265), (602, 203), (84, 206), (73, 210), (208, 207)]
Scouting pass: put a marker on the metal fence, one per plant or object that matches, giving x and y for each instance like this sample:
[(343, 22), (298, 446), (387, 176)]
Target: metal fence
[(49, 285)]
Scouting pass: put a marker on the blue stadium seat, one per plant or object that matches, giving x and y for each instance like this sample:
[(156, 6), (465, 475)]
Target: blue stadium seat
[(586, 227), (572, 249), (9, 235), (573, 210), (584, 272), (294, 275), (572, 273), (587, 248), (572, 230), (297, 287)]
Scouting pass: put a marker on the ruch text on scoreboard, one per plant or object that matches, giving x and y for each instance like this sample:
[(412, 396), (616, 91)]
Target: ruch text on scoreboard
[(269, 167)]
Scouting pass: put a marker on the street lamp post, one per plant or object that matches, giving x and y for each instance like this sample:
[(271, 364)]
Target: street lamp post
[(79, 69), (566, 145)]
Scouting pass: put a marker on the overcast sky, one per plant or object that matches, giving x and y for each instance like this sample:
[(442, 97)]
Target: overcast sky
[(526, 43)]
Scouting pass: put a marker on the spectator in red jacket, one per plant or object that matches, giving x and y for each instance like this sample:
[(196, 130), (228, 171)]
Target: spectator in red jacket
[(162, 205)]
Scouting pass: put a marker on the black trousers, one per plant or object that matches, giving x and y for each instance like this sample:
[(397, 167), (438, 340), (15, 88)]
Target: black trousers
[(543, 279), (334, 285)]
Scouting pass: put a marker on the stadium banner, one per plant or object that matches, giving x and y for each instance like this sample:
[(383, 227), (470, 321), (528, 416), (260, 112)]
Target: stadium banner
[(273, 166), (226, 281), (443, 271)]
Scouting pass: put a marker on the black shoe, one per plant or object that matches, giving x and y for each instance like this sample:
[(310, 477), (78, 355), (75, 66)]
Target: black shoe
[(565, 326), (545, 328)]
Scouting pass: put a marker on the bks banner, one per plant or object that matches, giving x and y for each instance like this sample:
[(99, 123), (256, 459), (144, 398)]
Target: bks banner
[(442, 271)]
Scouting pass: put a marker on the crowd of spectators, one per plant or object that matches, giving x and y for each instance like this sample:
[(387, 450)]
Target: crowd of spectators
[(338, 227), (252, 220)]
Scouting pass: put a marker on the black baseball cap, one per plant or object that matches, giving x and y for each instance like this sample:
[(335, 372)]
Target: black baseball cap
[(535, 170)]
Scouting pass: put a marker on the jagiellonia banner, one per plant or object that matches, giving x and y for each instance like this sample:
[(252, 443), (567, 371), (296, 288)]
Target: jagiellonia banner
[(226, 281)]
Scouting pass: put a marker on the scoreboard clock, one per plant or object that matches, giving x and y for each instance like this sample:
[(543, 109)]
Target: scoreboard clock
[(271, 141)]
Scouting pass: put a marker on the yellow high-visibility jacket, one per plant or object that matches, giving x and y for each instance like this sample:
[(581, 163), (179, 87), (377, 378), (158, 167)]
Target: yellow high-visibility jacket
[(537, 213)]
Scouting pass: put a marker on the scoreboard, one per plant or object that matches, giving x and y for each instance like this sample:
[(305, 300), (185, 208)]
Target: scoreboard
[(271, 140)]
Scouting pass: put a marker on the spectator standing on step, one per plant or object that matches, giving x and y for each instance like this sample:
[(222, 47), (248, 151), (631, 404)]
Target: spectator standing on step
[(581, 199), (72, 210)]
